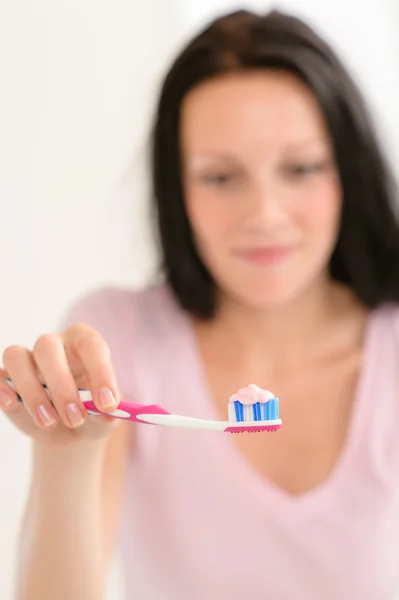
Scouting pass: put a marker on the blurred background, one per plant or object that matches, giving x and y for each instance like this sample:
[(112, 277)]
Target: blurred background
[(79, 83)]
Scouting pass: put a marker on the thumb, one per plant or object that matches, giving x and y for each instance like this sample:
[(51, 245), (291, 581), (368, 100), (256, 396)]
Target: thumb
[(3, 374)]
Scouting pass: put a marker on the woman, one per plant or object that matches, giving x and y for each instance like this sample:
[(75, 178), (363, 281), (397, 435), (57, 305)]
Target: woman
[(280, 249)]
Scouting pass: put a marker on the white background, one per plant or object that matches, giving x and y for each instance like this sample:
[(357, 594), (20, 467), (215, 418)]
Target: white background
[(79, 80)]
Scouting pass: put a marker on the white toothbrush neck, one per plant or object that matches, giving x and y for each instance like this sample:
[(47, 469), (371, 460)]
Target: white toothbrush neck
[(183, 421)]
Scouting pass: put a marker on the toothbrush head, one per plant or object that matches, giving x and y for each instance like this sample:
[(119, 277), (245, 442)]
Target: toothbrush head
[(252, 410)]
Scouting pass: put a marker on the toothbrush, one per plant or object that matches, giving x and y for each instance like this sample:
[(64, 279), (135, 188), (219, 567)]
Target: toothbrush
[(263, 415)]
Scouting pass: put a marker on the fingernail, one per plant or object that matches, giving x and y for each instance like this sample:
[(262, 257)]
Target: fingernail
[(107, 400), (5, 400), (46, 416), (75, 415)]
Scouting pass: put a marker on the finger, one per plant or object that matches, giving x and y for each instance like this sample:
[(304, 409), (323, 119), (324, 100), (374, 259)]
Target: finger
[(22, 370), (95, 355), (8, 398), (50, 357)]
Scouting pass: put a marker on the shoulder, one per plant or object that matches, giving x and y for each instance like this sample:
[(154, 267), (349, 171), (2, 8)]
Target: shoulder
[(110, 307), (382, 331), (386, 316), (392, 310), (379, 388)]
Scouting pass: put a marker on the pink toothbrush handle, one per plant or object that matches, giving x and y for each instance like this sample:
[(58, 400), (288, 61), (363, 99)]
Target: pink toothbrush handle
[(128, 410), (125, 410)]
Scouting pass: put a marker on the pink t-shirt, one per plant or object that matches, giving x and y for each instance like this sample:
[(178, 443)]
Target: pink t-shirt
[(199, 523)]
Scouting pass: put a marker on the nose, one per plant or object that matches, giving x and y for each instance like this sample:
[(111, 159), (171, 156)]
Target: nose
[(264, 208)]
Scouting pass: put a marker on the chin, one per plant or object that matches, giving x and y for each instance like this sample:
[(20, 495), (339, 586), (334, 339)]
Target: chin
[(272, 297), (270, 288)]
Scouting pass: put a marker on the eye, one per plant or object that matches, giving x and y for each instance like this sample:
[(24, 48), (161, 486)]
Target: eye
[(304, 170), (218, 179)]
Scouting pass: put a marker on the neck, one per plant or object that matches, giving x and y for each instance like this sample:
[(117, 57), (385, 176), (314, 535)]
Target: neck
[(284, 333)]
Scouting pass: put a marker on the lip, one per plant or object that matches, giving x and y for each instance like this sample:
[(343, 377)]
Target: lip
[(266, 255)]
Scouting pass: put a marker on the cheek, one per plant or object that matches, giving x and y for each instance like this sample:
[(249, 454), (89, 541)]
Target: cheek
[(211, 220), (321, 212)]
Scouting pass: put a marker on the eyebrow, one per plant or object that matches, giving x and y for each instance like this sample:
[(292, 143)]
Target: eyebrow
[(206, 155), (211, 155), (307, 142)]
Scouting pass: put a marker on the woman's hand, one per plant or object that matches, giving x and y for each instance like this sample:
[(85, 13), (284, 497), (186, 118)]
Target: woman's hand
[(77, 358)]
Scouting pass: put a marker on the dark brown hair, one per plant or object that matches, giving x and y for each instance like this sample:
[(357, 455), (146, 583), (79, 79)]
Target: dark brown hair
[(366, 256)]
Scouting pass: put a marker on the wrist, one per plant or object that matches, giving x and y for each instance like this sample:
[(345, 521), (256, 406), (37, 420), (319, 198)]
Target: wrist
[(81, 449), (67, 461)]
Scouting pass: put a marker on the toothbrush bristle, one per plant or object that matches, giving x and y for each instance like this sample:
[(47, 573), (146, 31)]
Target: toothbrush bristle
[(258, 412)]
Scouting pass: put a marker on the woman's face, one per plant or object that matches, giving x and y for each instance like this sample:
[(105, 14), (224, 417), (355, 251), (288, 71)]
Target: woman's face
[(261, 187)]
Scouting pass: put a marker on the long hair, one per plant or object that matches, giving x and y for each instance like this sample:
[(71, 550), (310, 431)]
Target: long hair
[(366, 255)]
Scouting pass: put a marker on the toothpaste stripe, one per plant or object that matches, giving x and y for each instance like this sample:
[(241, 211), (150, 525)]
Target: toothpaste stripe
[(237, 410)]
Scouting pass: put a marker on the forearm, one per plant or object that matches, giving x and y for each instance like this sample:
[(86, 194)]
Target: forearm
[(62, 546)]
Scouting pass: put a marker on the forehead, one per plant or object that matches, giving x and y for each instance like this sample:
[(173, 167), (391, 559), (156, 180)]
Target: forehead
[(255, 109)]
